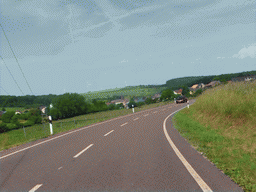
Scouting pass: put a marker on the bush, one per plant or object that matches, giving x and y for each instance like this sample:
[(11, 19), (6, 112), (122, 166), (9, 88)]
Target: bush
[(24, 116), (6, 117), (3, 127), (149, 100), (111, 106), (28, 123), (12, 126), (119, 105), (35, 119), (140, 103)]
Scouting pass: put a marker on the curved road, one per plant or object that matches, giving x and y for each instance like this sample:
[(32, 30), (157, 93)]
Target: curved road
[(136, 152)]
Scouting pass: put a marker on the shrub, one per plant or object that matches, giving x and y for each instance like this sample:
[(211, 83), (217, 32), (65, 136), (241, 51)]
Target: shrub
[(12, 126), (6, 117), (149, 100), (3, 127), (111, 106), (35, 119), (140, 103), (28, 123), (119, 105)]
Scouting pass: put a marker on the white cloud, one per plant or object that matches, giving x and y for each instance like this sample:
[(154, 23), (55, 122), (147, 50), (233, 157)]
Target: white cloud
[(247, 52)]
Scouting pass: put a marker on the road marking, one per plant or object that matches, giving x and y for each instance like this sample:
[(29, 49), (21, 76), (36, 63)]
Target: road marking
[(80, 129), (35, 188), (59, 168), (155, 112), (145, 115), (136, 119), (192, 172), (109, 133), (124, 124), (83, 151)]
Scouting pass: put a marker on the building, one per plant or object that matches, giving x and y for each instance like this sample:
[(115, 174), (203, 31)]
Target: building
[(212, 84), (201, 85), (195, 86), (18, 112), (244, 78), (2, 112), (42, 108), (156, 96), (179, 91)]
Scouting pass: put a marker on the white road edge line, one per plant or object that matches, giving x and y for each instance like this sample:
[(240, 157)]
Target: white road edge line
[(35, 188), (124, 124), (155, 112), (136, 119), (75, 131), (145, 115), (83, 151), (192, 172), (109, 133)]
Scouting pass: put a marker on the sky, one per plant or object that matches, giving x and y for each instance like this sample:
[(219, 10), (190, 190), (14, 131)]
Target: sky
[(77, 46)]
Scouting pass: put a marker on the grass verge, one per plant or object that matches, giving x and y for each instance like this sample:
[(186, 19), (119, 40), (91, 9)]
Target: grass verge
[(217, 126)]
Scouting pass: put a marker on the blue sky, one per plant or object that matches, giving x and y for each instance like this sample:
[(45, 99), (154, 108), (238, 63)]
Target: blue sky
[(89, 45)]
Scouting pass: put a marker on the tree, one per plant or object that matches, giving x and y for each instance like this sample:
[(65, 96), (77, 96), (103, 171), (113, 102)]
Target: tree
[(3, 109), (185, 91), (167, 95), (70, 105), (120, 105), (111, 106), (6, 117), (132, 102)]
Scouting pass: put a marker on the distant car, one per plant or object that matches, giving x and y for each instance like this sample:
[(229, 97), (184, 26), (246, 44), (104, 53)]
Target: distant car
[(181, 99)]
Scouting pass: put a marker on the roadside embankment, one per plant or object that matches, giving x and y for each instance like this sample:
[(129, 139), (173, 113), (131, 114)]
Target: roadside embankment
[(221, 124)]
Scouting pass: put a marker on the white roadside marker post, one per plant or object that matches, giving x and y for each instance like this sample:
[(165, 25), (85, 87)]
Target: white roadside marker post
[(188, 103), (133, 108), (50, 119)]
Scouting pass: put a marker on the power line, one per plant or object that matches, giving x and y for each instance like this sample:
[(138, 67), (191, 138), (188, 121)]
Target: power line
[(12, 77), (16, 60)]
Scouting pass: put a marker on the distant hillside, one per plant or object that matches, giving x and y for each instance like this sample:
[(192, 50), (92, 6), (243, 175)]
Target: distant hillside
[(148, 90), (189, 81)]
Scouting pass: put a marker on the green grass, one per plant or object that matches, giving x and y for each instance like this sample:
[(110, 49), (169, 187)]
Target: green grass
[(14, 108), (17, 137), (221, 124), (128, 92)]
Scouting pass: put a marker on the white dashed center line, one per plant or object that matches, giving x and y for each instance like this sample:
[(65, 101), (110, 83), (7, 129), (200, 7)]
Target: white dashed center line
[(59, 168), (124, 124), (83, 151), (35, 188), (155, 112), (135, 119), (109, 133), (145, 115)]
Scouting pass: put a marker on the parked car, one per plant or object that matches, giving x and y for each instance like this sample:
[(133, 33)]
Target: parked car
[(181, 99)]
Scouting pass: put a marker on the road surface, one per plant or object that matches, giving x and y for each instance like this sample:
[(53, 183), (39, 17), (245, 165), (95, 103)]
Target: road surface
[(136, 152)]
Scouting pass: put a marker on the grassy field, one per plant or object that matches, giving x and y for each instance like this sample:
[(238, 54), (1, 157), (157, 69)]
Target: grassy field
[(221, 125), (14, 108), (128, 92), (17, 137)]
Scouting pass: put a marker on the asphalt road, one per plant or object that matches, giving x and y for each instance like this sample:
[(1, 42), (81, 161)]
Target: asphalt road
[(136, 152)]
